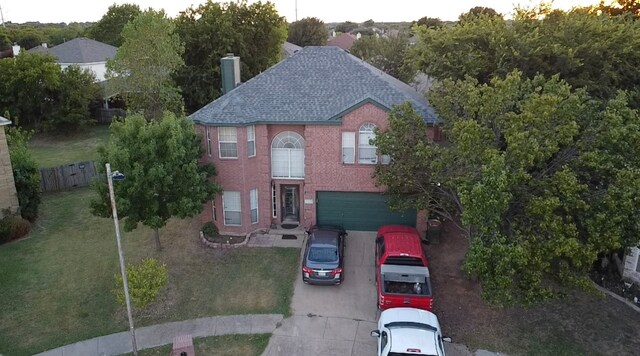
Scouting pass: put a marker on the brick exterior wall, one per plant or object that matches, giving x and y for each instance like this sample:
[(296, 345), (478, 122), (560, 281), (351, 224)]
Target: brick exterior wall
[(8, 195), (324, 170)]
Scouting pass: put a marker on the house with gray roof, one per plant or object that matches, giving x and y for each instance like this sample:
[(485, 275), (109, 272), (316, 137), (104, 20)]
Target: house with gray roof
[(293, 145), (83, 52)]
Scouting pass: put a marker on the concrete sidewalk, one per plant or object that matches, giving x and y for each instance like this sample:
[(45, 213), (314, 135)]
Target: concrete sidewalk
[(162, 334)]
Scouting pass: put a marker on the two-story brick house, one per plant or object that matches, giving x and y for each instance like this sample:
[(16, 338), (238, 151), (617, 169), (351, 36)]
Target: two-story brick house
[(292, 145)]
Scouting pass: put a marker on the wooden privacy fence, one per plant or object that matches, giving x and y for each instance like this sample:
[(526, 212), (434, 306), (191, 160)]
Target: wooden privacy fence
[(68, 176)]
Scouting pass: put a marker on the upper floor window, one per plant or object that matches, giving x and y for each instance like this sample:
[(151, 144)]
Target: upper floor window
[(251, 141), (349, 147), (208, 140), (367, 152), (228, 142), (287, 156)]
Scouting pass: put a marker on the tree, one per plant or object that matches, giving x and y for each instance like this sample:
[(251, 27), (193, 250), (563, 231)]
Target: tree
[(78, 92), (620, 7), (255, 32), (369, 23), (26, 173), (478, 11), (309, 31), (430, 22), (386, 54), (109, 28), (163, 178), (29, 88), (346, 27), (588, 51), (29, 39), (142, 69), (543, 177)]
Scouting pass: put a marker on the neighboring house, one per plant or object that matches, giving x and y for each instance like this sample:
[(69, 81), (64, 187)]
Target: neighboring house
[(8, 195), (289, 49), (292, 145), (83, 52), (632, 265), (343, 40)]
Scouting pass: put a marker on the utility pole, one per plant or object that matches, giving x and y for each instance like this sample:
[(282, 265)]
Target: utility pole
[(2, 16), (296, 11)]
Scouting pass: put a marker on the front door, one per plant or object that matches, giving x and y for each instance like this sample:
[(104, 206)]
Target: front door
[(290, 203)]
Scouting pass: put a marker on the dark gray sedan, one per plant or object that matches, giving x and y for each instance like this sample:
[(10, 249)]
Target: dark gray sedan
[(323, 261)]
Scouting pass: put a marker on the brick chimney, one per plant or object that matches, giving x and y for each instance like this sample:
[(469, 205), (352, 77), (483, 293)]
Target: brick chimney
[(230, 69)]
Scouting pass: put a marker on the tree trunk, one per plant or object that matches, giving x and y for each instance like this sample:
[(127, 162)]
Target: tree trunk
[(619, 264), (157, 238)]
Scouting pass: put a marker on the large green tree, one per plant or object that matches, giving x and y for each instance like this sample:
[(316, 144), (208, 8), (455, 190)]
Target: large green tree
[(387, 54), (254, 32), (142, 70), (109, 28), (29, 87), (310, 31), (599, 53), (544, 178), (78, 92), (163, 178)]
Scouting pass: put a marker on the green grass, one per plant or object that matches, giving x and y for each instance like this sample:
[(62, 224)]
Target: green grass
[(55, 150), (56, 285), (228, 345)]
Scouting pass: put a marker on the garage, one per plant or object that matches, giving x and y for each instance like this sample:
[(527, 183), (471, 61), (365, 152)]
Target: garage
[(359, 211)]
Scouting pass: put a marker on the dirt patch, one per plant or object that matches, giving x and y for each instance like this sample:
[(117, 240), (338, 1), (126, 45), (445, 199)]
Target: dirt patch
[(580, 324)]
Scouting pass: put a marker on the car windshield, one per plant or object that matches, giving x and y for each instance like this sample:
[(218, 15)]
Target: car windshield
[(323, 254)]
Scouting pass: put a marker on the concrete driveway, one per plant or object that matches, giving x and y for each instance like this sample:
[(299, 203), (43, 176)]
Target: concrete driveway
[(337, 320), (334, 320)]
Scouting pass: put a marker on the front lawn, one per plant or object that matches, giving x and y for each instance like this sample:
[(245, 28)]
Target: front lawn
[(56, 285), (55, 150), (228, 345)]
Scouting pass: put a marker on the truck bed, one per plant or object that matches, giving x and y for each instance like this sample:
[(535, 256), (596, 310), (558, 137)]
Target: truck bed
[(405, 280)]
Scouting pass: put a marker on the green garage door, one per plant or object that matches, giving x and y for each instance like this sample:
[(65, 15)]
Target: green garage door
[(359, 211)]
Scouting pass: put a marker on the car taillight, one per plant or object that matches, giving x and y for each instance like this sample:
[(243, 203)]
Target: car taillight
[(306, 269), (336, 271)]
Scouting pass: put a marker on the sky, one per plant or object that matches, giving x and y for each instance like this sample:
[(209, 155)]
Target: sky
[(19, 11)]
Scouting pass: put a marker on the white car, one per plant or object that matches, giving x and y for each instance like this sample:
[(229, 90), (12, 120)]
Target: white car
[(409, 332)]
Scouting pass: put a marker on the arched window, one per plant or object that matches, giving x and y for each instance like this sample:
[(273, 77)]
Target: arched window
[(287, 156), (367, 152)]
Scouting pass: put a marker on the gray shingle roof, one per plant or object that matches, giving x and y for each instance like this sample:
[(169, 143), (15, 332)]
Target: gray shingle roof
[(80, 50), (290, 48), (315, 85)]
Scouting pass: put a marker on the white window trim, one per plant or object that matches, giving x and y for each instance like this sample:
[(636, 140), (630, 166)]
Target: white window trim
[(224, 210), (221, 142), (366, 145), (282, 139), (251, 141), (352, 147), (209, 149), (253, 200)]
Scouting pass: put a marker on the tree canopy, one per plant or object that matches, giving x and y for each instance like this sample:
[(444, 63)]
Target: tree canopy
[(477, 12), (142, 70), (346, 27), (109, 28), (543, 178), (386, 54), (309, 31), (598, 53), (163, 178), (429, 22), (254, 32)]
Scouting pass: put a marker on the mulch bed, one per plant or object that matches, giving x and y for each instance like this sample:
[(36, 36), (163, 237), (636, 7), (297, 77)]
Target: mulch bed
[(231, 240), (615, 284)]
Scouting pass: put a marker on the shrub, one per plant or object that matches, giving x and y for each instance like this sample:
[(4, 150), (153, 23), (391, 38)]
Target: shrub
[(210, 229), (13, 227), (145, 282), (25, 172)]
